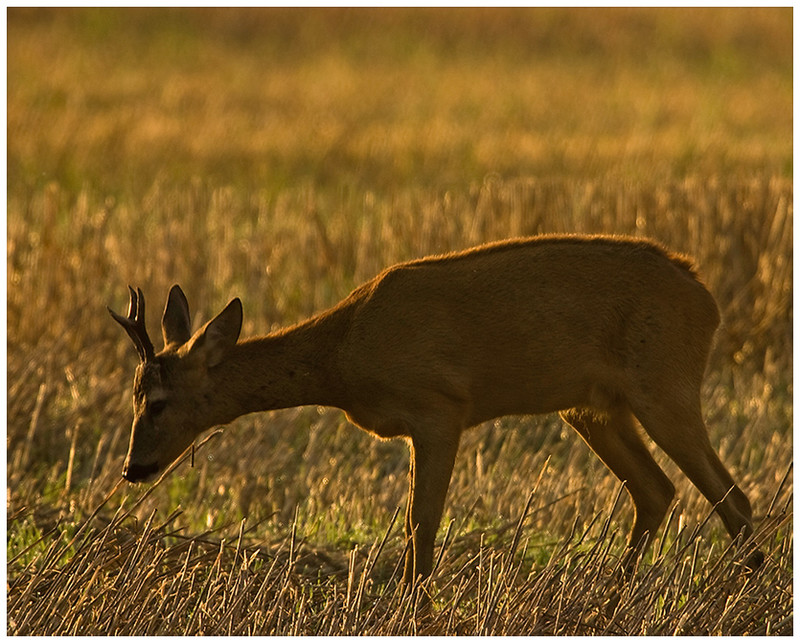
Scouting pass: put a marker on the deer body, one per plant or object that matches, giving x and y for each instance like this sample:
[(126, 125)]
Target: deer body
[(602, 329), (522, 328)]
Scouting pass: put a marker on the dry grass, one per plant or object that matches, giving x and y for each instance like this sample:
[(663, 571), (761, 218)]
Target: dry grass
[(153, 581), (214, 150)]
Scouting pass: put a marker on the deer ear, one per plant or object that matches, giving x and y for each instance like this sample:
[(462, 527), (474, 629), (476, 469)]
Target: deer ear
[(220, 334), (175, 324)]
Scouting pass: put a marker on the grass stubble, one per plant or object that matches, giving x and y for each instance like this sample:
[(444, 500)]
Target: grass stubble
[(290, 186)]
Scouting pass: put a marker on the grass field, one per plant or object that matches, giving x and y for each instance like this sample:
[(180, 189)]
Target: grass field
[(285, 156)]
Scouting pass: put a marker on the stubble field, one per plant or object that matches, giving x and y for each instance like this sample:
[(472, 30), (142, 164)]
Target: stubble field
[(286, 156)]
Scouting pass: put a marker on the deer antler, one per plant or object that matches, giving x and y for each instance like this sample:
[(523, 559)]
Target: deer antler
[(134, 325)]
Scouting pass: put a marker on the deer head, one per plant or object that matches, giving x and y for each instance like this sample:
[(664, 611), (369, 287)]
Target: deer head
[(173, 392)]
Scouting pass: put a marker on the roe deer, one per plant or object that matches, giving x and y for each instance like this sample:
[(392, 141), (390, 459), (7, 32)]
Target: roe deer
[(606, 330)]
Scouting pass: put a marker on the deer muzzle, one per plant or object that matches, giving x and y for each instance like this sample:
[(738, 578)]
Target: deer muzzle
[(139, 472)]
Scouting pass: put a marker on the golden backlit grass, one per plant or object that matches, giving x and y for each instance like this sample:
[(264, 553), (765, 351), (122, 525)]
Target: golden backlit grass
[(285, 157), (393, 99)]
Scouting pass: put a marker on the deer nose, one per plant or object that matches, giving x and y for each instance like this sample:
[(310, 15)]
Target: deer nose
[(139, 472)]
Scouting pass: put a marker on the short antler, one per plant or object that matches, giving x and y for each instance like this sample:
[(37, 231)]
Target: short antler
[(134, 325)]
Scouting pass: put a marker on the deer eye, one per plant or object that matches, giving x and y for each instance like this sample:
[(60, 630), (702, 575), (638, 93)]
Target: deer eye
[(156, 407)]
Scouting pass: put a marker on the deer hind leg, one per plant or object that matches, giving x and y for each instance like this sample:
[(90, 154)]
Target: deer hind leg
[(613, 437), (432, 460), (682, 434)]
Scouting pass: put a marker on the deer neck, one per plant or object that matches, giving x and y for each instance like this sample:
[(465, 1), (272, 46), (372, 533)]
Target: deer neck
[(292, 367)]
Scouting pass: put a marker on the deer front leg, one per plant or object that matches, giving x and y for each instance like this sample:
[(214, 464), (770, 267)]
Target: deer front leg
[(432, 459)]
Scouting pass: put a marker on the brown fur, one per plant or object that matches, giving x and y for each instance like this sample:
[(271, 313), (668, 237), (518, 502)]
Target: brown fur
[(605, 330)]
